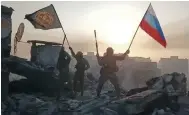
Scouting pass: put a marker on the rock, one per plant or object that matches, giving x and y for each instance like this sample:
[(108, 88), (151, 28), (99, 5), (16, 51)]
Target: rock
[(93, 104), (136, 90), (51, 110), (107, 111), (158, 84), (161, 112), (155, 111), (167, 78), (143, 102), (136, 101), (173, 84), (73, 104), (169, 89)]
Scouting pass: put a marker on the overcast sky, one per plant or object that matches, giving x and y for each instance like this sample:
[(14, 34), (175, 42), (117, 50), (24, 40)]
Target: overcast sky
[(110, 19)]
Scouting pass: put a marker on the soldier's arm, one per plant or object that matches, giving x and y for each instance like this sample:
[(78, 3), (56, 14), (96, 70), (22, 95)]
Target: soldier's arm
[(122, 57), (87, 64), (99, 59), (68, 58), (72, 52)]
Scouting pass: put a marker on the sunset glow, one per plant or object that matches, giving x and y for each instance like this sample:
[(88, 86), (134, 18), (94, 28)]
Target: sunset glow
[(119, 34), (115, 25)]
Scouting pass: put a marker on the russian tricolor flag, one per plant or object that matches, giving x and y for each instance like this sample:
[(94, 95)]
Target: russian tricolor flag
[(151, 26)]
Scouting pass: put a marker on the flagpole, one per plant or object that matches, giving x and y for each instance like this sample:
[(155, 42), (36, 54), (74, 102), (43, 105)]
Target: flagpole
[(65, 37), (138, 28)]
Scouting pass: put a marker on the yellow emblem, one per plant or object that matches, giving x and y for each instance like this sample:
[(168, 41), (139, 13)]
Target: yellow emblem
[(44, 18)]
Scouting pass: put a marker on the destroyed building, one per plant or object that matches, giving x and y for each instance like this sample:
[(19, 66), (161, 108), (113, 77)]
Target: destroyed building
[(174, 64), (138, 71), (45, 53), (39, 71), (6, 31)]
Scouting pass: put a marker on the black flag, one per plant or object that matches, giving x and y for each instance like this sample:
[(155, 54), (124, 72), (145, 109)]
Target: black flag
[(45, 18)]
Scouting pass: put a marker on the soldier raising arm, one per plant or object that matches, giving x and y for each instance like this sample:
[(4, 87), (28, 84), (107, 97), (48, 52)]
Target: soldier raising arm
[(99, 59), (109, 69), (81, 66), (63, 59), (63, 67)]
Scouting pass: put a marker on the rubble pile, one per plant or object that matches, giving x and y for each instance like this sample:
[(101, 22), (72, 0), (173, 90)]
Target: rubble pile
[(172, 84), (155, 99), (23, 104), (167, 111)]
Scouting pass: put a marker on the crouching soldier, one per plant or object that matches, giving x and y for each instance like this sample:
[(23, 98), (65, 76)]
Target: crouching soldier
[(81, 66), (109, 69)]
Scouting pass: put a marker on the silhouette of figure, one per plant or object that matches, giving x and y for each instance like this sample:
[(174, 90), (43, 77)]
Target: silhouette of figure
[(63, 67), (108, 69), (81, 66)]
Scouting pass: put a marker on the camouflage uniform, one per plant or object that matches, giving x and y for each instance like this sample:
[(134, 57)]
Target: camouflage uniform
[(81, 66), (107, 72)]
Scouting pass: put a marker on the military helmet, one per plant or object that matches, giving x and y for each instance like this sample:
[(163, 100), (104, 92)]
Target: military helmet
[(109, 50), (79, 54)]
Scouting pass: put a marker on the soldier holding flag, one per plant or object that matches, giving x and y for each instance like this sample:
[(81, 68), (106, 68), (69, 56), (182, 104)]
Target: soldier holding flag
[(45, 19), (63, 67), (151, 26), (109, 67)]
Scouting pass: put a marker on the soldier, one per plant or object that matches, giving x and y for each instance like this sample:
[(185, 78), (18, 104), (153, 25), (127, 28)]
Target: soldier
[(109, 67), (81, 66), (63, 67)]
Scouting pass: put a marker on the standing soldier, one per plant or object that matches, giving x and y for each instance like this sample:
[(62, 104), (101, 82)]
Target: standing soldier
[(109, 67), (81, 66), (63, 67)]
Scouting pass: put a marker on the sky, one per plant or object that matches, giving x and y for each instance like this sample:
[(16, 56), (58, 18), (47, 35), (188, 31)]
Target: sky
[(115, 22)]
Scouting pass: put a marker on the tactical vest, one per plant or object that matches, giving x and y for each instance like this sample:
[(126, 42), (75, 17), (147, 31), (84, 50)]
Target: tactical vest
[(109, 64)]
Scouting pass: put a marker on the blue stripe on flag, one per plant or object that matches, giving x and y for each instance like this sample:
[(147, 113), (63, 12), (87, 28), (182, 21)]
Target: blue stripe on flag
[(153, 21)]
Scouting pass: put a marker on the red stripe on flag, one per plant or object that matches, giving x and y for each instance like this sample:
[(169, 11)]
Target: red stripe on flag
[(152, 32)]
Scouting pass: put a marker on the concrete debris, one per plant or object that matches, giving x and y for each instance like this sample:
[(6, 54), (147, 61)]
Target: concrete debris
[(107, 111), (155, 99), (162, 112), (172, 84)]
